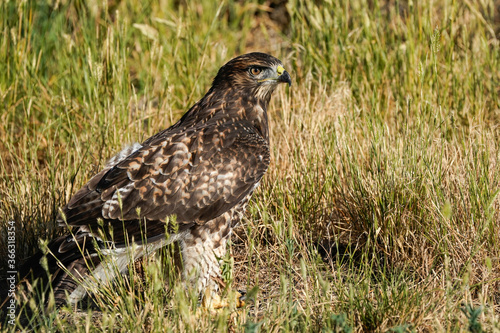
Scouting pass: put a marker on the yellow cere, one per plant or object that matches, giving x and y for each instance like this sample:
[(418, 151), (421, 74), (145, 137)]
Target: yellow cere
[(280, 70)]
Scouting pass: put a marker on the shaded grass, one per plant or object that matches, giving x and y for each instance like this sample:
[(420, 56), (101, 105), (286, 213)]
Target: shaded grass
[(380, 210)]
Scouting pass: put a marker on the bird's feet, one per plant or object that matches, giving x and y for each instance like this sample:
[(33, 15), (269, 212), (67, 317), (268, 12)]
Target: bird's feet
[(212, 301)]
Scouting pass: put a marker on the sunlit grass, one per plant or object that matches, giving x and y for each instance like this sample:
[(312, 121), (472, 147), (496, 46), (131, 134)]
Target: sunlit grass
[(380, 210)]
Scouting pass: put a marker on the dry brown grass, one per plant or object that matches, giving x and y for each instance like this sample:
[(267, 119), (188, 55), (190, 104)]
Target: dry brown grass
[(381, 206)]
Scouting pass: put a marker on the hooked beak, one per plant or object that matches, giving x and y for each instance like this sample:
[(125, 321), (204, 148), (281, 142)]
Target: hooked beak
[(285, 78), (281, 77)]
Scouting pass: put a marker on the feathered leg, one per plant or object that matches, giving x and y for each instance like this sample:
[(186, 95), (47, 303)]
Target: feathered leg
[(202, 250)]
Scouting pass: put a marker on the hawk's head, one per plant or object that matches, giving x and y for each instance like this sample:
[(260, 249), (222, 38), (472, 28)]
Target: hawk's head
[(253, 74)]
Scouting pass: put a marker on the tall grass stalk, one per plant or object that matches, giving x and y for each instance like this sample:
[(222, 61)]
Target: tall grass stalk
[(380, 211)]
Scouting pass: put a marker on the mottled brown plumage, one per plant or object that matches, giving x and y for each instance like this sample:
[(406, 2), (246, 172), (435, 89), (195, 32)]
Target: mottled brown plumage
[(202, 170)]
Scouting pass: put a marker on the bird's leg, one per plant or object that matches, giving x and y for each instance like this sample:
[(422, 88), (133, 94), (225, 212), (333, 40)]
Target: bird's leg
[(202, 250)]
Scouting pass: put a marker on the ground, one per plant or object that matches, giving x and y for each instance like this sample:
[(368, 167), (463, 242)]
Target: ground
[(380, 210)]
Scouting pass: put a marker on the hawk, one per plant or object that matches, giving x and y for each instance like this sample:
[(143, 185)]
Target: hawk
[(202, 171)]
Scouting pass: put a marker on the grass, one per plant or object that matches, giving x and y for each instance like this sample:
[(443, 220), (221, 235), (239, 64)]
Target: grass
[(380, 211)]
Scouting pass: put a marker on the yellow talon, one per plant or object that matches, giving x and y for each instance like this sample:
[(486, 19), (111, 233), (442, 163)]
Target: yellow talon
[(212, 300)]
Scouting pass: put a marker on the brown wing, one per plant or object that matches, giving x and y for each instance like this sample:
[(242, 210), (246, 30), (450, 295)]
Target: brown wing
[(196, 175)]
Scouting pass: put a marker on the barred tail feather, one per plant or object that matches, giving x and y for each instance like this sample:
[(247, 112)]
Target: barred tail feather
[(73, 264), (58, 272)]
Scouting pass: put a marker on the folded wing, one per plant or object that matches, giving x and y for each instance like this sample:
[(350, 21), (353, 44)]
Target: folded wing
[(195, 175)]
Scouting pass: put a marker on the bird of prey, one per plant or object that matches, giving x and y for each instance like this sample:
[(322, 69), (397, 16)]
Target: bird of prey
[(201, 171)]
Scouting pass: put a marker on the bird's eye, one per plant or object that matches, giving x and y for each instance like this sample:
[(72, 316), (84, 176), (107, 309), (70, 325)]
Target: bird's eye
[(255, 70)]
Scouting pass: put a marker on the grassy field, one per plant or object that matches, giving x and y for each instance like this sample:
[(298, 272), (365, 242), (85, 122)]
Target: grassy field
[(381, 209)]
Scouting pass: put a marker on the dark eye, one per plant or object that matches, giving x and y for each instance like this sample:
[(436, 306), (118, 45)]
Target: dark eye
[(255, 70)]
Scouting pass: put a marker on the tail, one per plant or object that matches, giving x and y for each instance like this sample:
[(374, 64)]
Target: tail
[(68, 261)]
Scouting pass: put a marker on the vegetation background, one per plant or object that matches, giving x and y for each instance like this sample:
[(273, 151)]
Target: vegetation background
[(380, 211)]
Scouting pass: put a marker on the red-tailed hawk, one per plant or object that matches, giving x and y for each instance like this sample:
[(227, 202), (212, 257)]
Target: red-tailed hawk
[(202, 170)]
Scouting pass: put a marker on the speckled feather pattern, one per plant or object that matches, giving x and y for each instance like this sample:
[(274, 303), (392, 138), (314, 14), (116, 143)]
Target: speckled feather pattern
[(202, 170)]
